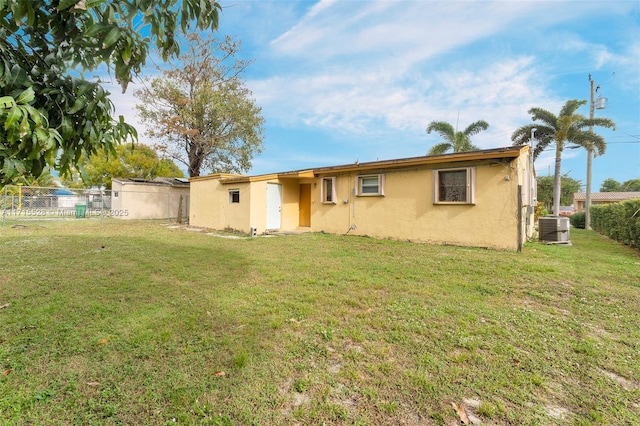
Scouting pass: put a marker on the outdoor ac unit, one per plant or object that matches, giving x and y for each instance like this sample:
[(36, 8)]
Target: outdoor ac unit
[(554, 229)]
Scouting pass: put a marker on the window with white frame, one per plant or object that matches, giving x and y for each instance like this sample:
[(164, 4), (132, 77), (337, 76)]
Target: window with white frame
[(328, 190), (234, 196), (454, 186), (370, 185), (115, 194)]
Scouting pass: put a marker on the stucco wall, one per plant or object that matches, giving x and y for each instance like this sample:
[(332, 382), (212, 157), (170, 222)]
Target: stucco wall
[(204, 201), (146, 201), (407, 211), (210, 206), (290, 204), (234, 215)]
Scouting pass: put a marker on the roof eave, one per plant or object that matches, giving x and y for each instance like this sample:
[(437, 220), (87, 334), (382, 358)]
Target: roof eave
[(499, 153)]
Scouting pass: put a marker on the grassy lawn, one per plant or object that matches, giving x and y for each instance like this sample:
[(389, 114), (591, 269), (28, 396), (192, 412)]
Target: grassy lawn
[(137, 323)]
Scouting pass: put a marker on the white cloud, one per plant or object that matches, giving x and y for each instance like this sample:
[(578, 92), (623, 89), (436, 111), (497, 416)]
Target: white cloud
[(371, 72)]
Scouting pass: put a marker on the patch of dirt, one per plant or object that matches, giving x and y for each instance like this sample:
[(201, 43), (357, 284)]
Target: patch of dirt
[(334, 367), (557, 412), (285, 387), (300, 398), (598, 332), (415, 419), (471, 406), (627, 384), (295, 402)]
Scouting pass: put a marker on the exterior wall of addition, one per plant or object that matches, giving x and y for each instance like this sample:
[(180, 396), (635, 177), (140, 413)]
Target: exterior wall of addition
[(147, 200), (211, 206)]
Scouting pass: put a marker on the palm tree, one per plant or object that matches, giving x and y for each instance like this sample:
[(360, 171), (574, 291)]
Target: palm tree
[(566, 127), (453, 139)]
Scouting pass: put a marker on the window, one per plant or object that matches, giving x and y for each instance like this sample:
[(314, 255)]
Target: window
[(115, 194), (454, 186), (370, 185), (234, 196), (328, 194)]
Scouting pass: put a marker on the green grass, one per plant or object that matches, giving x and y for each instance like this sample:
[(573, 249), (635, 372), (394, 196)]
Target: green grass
[(135, 323)]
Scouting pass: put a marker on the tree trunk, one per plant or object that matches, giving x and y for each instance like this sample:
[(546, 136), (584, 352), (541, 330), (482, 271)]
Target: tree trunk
[(556, 181), (195, 160)]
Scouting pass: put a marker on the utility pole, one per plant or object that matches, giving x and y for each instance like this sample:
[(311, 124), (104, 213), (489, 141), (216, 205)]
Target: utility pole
[(587, 202), (593, 105)]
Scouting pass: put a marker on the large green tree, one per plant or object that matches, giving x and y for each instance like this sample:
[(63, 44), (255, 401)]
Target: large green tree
[(458, 141), (610, 185), (568, 126), (631, 185), (50, 115), (130, 161), (569, 186), (201, 112)]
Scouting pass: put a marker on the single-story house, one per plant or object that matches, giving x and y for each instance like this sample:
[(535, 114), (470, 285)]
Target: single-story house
[(580, 198), (479, 198), (159, 198)]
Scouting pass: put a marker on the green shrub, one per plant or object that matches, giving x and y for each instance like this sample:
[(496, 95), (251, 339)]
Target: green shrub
[(577, 220), (619, 221)]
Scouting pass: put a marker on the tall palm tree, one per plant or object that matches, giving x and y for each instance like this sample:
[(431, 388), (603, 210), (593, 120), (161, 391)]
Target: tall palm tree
[(453, 139), (566, 127)]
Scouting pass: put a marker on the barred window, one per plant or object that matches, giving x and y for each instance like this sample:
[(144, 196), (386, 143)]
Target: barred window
[(454, 186)]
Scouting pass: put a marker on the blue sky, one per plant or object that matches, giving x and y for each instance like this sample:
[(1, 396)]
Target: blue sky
[(344, 80)]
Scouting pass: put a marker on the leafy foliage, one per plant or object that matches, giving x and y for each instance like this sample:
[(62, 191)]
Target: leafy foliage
[(567, 126), (130, 161), (201, 111), (49, 114), (458, 141), (619, 221), (568, 187), (612, 185), (540, 210), (578, 220), (631, 185)]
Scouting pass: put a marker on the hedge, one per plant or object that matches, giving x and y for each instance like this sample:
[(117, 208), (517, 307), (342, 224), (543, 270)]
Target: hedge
[(577, 220), (619, 221)]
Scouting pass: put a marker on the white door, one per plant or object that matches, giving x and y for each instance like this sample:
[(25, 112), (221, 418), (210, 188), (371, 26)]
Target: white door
[(274, 205)]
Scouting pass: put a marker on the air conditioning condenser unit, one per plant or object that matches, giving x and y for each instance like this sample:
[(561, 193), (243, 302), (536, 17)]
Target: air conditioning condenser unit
[(554, 229)]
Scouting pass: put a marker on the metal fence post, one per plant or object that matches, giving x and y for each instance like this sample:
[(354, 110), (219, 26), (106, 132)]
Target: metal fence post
[(101, 205)]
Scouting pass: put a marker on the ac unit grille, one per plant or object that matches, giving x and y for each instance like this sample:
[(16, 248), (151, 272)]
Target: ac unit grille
[(553, 229)]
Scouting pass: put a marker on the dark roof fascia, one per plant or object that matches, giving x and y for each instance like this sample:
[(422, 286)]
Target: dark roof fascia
[(172, 182), (498, 154), (506, 153)]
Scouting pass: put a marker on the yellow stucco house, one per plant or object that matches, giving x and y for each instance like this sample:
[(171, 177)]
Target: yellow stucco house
[(480, 198)]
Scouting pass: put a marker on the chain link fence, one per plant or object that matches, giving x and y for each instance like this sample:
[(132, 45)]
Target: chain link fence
[(28, 204)]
